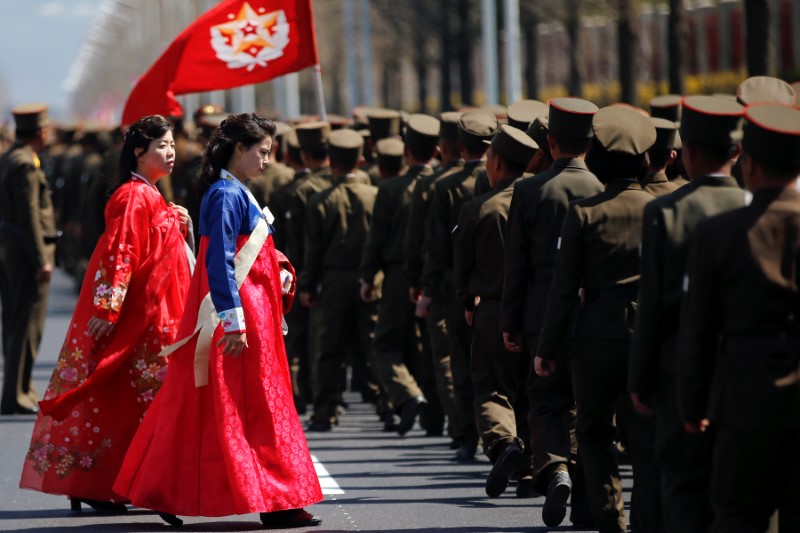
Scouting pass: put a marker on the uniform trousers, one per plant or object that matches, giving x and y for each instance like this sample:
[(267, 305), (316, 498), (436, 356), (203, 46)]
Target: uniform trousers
[(346, 325), (440, 355), (396, 340), (498, 377), (599, 368), (684, 462), (460, 354), (24, 307)]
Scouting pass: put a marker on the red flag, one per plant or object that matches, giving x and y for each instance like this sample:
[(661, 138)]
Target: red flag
[(238, 42)]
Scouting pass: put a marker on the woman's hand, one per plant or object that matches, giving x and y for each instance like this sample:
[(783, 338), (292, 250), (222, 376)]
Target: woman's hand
[(99, 327), (233, 343), (186, 220)]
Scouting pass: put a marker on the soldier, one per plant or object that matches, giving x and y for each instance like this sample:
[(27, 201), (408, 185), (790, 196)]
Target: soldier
[(668, 107), (395, 338), (383, 124), (662, 154), (498, 375), (432, 308), (27, 256), (96, 141), (537, 212), (337, 222), (669, 222), (739, 333), (276, 174), (598, 252), (389, 158), (542, 159), (449, 194)]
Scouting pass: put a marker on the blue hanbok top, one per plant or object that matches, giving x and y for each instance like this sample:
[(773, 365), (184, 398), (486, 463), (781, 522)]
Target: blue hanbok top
[(227, 211)]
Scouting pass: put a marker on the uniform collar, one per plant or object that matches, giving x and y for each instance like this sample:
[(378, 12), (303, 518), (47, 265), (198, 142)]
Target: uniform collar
[(564, 162), (656, 177), (622, 184)]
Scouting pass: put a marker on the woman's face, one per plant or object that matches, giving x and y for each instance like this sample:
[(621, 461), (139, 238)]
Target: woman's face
[(159, 158), (253, 160)]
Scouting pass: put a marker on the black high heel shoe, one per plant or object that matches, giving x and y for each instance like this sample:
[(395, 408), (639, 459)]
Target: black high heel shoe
[(171, 519), (289, 518), (97, 505)]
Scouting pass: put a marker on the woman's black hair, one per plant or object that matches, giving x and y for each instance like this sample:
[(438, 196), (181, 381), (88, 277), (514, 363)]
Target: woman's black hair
[(246, 128), (139, 135)]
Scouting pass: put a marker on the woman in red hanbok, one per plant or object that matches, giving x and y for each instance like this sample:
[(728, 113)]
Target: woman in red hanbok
[(108, 370), (223, 437)]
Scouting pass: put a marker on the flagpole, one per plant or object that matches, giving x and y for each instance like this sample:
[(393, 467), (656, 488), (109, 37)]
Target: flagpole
[(320, 96)]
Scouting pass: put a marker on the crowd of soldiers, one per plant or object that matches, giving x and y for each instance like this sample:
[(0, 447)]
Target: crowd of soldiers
[(528, 280)]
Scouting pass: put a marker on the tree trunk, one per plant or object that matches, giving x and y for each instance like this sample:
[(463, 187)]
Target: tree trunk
[(465, 51), (530, 32), (757, 22), (626, 43), (677, 35), (446, 55), (421, 68), (575, 82)]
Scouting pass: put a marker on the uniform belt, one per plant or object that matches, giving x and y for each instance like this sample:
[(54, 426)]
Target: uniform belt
[(616, 293)]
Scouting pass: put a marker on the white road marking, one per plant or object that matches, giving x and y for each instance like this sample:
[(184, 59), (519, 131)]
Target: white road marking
[(326, 481)]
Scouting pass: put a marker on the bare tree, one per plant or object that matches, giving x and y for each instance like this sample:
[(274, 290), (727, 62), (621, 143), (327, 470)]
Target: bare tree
[(445, 55), (626, 43), (465, 47), (760, 56), (573, 26), (677, 35), (530, 19)]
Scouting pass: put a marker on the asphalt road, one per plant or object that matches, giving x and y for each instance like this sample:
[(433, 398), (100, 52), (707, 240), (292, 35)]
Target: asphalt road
[(373, 481)]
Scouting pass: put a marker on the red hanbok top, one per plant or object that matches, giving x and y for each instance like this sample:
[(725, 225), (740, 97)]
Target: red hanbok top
[(138, 278)]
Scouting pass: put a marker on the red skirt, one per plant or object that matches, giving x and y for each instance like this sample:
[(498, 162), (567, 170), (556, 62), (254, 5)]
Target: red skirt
[(235, 446)]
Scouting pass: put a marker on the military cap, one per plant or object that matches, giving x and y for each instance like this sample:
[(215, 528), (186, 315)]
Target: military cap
[(390, 147), (422, 133), (281, 128), (623, 130), (499, 111), (312, 134), (709, 120), (771, 134), (643, 112), (291, 139), (448, 127), (761, 89), (383, 123), (211, 122), (360, 115), (30, 117), (666, 133), (338, 121), (726, 96), (345, 142), (571, 117), (667, 106), (478, 124), (796, 89), (205, 110), (521, 114), (538, 131), (513, 144)]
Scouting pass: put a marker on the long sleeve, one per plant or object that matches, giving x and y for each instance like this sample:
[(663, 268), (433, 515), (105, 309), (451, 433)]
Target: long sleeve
[(27, 201), (438, 241), (372, 260), (127, 223), (643, 365), (699, 327), (516, 255), (315, 242), (414, 243), (464, 258), (564, 290), (226, 208)]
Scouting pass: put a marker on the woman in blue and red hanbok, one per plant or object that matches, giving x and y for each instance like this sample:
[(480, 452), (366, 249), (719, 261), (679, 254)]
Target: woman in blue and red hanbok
[(223, 437), (129, 307)]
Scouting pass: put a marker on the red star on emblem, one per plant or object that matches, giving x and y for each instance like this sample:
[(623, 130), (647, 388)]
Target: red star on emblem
[(254, 49), (249, 29)]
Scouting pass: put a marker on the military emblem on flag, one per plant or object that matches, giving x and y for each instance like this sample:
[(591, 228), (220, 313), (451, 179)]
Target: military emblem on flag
[(251, 39)]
